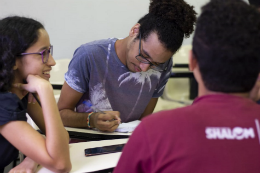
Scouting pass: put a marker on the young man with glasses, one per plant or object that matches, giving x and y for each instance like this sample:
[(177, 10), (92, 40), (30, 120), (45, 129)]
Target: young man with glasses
[(124, 78), (220, 131)]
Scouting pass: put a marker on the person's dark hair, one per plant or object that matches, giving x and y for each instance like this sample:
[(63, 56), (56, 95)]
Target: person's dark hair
[(255, 3), (17, 34), (172, 20), (226, 45)]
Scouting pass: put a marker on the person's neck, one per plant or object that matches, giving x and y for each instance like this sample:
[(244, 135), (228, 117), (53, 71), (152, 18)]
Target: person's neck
[(120, 48), (204, 91)]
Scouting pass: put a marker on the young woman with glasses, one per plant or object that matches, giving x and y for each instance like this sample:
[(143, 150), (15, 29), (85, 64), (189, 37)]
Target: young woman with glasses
[(25, 65)]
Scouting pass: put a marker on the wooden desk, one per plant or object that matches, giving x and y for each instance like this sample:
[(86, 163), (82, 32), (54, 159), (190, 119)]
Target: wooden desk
[(80, 163)]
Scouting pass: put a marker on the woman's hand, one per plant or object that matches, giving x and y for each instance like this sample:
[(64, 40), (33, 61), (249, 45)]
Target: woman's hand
[(31, 98), (26, 166), (34, 84)]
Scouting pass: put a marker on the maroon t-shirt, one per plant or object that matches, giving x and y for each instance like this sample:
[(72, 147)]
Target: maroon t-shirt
[(216, 134)]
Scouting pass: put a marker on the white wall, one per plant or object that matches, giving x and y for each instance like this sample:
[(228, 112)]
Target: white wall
[(71, 23)]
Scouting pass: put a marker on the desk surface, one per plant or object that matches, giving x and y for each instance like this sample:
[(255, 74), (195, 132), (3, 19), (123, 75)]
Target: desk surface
[(80, 163)]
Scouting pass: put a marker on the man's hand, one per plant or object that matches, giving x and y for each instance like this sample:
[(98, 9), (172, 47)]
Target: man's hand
[(26, 166), (107, 122)]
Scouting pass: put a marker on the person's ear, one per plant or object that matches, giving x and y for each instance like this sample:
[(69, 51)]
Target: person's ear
[(193, 63), (15, 67), (134, 30)]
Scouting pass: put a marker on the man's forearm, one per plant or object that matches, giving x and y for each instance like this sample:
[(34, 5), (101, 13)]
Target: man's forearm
[(73, 119), (150, 108)]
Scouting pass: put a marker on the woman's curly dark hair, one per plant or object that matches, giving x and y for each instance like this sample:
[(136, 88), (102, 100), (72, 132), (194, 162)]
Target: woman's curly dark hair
[(17, 34), (172, 20)]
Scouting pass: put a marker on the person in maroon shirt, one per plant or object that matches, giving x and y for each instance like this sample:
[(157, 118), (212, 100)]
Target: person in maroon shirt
[(220, 131)]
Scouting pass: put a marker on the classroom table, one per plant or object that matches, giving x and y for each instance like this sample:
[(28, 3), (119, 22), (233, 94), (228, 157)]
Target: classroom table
[(80, 163)]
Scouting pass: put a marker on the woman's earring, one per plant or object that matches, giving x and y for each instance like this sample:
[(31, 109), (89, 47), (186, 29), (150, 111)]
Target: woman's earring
[(15, 67)]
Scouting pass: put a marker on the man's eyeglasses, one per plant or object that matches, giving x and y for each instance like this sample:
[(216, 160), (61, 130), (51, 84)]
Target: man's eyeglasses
[(144, 60), (45, 54)]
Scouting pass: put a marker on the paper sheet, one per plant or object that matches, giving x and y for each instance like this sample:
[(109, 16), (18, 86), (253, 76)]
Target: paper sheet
[(127, 127)]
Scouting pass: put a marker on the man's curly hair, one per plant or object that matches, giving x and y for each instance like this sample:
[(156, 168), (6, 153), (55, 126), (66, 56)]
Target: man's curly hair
[(17, 34), (226, 45), (172, 20)]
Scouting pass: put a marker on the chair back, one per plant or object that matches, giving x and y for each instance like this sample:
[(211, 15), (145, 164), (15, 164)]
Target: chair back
[(58, 71), (182, 55)]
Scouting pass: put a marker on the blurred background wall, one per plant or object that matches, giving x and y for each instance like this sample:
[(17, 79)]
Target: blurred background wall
[(71, 23)]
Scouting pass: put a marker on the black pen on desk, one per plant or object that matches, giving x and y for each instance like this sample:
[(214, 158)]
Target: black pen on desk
[(36, 98)]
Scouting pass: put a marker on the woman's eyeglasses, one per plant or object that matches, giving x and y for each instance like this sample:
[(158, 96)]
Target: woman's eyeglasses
[(45, 54)]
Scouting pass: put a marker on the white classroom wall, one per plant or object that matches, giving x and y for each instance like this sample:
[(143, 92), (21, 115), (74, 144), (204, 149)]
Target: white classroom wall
[(71, 23)]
